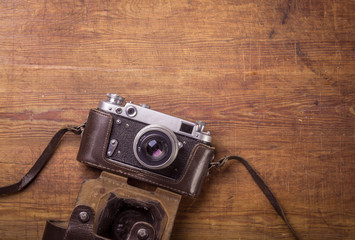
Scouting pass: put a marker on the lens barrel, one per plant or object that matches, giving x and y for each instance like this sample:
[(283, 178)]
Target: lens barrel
[(155, 147)]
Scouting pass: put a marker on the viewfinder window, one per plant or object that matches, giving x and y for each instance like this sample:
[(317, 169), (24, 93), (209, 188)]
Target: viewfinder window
[(186, 128)]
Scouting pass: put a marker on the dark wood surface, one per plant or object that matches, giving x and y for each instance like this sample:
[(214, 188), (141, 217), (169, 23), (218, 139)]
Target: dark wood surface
[(274, 80)]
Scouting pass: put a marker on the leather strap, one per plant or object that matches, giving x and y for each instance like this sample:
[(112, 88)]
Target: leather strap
[(262, 185), (41, 162)]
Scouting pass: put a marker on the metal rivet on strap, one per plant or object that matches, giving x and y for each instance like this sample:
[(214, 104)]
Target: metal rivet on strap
[(84, 217)]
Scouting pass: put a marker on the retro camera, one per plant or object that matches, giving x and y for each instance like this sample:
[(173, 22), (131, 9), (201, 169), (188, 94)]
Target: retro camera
[(130, 141), (150, 146), (141, 144)]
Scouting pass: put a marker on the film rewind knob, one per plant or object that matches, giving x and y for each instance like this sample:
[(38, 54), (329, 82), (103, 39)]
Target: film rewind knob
[(115, 99)]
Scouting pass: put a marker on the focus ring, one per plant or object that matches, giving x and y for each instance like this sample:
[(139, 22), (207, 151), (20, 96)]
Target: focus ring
[(165, 131)]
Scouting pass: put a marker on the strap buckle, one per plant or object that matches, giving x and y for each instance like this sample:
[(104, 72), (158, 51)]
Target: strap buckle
[(218, 164), (77, 129)]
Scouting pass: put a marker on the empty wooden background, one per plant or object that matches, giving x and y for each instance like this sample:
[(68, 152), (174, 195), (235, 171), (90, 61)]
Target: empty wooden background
[(274, 80)]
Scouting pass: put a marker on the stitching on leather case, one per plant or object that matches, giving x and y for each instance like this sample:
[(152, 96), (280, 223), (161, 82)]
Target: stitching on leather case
[(108, 132)]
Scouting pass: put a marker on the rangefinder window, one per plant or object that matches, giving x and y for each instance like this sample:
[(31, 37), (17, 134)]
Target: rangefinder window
[(186, 128)]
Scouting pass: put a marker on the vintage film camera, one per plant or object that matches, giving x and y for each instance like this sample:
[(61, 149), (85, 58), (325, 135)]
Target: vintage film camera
[(153, 147), (142, 144)]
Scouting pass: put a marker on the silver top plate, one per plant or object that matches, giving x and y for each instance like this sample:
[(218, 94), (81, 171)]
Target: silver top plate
[(145, 115)]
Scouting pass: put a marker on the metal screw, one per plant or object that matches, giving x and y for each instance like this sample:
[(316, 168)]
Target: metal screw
[(84, 217), (142, 234), (118, 121)]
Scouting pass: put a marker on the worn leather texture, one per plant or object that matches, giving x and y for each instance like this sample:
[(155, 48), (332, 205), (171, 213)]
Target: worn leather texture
[(55, 230), (79, 230), (108, 199), (93, 147), (74, 230)]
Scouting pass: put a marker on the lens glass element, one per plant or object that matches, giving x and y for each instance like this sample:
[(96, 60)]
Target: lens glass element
[(155, 148)]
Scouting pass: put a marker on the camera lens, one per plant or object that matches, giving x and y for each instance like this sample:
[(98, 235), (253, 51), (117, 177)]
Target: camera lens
[(155, 147)]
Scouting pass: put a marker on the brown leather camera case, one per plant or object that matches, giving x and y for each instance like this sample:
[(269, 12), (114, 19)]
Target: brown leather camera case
[(93, 147)]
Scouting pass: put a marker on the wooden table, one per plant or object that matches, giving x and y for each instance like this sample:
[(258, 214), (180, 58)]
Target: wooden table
[(274, 80)]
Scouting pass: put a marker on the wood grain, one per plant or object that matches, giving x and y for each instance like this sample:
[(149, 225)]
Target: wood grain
[(274, 80)]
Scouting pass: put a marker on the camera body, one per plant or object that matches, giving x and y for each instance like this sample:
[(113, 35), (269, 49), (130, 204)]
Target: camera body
[(137, 142)]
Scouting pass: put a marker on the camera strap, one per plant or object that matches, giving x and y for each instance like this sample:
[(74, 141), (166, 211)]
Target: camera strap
[(52, 145), (41, 161), (262, 185)]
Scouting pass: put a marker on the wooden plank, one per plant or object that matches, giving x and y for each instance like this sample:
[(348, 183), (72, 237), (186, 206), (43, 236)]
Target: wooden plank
[(273, 80)]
